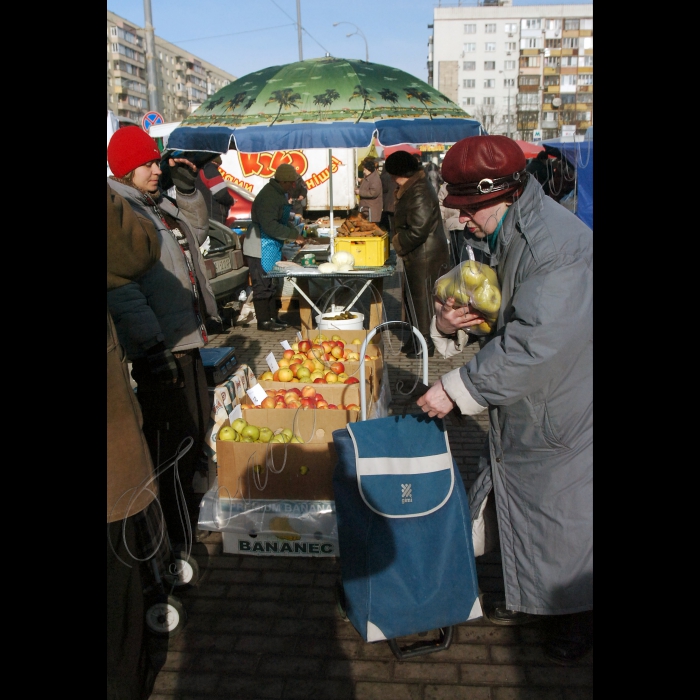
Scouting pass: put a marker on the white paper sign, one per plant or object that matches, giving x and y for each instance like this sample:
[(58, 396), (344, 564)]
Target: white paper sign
[(237, 412), (286, 345), (257, 394), (272, 363)]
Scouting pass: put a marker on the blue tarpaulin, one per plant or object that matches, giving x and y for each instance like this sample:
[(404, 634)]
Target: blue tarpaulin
[(580, 155)]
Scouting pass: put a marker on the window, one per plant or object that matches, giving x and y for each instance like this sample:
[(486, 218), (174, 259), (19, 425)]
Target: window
[(489, 65), (585, 79), (489, 101), (490, 28), (583, 116), (568, 80), (552, 25), (509, 82), (111, 98), (113, 31), (550, 116), (469, 100), (585, 60), (511, 28), (570, 24), (470, 28), (490, 83), (468, 48), (531, 43), (569, 42), (469, 65), (529, 80), (587, 23), (551, 80), (490, 45), (568, 99), (531, 24), (569, 61), (552, 43), (509, 65), (530, 62), (160, 55), (528, 98), (469, 83), (585, 97), (552, 61), (511, 46)]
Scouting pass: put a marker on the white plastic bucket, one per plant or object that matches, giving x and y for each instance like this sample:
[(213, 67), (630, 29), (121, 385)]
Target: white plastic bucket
[(351, 324)]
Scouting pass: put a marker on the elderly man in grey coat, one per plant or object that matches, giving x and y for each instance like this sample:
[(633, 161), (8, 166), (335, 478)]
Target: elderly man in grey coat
[(534, 376)]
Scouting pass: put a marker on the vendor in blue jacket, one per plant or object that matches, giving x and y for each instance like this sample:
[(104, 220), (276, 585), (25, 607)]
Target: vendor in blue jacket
[(534, 376)]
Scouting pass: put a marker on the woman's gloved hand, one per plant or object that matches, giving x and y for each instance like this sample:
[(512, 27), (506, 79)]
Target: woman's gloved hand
[(183, 173), (163, 365)]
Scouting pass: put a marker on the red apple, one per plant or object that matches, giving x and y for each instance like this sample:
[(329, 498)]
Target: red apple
[(337, 367), (267, 402), (308, 391), (321, 404), (337, 352), (304, 346), (352, 380), (332, 405), (320, 380), (288, 354), (331, 377)]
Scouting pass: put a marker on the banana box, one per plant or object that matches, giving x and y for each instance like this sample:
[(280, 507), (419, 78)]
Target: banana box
[(278, 528)]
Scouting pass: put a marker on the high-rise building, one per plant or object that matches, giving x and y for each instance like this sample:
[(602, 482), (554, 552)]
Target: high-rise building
[(523, 71), (184, 81)]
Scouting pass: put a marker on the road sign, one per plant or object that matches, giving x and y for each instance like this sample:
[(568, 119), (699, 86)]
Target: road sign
[(536, 135), (151, 118)]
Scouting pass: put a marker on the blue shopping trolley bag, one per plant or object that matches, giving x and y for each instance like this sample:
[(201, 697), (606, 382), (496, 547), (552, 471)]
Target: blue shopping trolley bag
[(404, 528)]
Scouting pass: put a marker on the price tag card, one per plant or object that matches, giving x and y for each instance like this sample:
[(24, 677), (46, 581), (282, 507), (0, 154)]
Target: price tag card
[(236, 413), (286, 345), (299, 335), (271, 362), (257, 394)]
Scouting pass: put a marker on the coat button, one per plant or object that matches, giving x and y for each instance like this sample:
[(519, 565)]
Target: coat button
[(498, 459)]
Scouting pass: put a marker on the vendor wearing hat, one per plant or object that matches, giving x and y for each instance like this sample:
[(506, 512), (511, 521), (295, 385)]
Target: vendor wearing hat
[(160, 316), (262, 245), (534, 375)]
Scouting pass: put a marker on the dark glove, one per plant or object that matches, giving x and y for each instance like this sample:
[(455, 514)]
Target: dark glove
[(163, 365), (183, 178), (224, 198)]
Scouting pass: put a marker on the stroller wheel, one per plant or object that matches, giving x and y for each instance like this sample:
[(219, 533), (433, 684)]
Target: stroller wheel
[(340, 599), (165, 616), (183, 572)]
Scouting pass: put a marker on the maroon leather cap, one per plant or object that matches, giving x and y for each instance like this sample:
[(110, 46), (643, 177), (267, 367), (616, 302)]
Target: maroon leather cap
[(479, 169)]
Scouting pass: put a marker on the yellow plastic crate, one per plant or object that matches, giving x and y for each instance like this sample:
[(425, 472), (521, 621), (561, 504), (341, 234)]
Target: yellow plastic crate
[(368, 251)]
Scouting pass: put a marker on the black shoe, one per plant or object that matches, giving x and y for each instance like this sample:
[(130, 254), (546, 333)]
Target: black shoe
[(413, 354), (566, 652), (280, 322), (500, 615), (269, 325)]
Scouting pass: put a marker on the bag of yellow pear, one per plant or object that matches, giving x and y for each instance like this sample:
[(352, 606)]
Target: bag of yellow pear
[(473, 283)]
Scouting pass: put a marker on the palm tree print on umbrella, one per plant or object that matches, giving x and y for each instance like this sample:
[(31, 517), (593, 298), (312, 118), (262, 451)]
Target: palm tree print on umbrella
[(422, 97), (326, 99), (359, 91), (213, 103), (286, 98), (236, 100), (389, 95)]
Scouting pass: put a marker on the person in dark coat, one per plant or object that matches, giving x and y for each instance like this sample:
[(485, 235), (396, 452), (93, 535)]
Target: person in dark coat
[(419, 239), (534, 375), (389, 188), (297, 196), (216, 194), (370, 191)]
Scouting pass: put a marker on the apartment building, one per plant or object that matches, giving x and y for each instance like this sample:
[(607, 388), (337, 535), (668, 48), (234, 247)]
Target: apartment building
[(184, 80), (524, 71)]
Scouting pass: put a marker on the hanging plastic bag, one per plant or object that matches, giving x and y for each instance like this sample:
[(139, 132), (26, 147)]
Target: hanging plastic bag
[(474, 283)]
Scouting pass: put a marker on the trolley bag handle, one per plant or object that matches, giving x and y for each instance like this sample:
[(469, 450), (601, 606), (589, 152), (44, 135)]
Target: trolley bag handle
[(363, 350)]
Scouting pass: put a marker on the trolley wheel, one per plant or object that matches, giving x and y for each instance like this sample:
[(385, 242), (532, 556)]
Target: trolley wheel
[(183, 572), (340, 599), (165, 616)]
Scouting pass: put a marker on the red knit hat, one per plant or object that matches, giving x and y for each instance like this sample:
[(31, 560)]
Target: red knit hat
[(128, 148)]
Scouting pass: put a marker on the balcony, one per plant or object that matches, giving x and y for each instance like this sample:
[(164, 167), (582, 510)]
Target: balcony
[(551, 71)]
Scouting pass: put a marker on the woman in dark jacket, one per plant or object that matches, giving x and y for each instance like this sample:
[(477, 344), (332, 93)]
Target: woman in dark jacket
[(419, 240), (370, 191)]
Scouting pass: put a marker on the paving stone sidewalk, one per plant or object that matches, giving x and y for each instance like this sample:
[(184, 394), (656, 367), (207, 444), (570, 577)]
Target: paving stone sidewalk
[(269, 627)]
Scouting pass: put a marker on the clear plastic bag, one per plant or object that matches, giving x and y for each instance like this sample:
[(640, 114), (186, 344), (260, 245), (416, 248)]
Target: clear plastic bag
[(474, 283)]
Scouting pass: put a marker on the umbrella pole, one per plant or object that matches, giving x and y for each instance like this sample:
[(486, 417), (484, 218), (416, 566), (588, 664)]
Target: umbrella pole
[(330, 199)]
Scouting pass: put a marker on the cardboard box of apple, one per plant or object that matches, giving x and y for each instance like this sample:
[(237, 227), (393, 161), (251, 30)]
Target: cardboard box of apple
[(339, 396), (472, 283), (321, 361)]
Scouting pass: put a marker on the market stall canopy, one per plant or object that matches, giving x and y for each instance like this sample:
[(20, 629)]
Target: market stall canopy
[(529, 149), (323, 103), (408, 147)]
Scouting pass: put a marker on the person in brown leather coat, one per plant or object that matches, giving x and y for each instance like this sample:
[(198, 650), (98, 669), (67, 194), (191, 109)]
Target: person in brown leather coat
[(420, 242), (132, 248), (370, 191)]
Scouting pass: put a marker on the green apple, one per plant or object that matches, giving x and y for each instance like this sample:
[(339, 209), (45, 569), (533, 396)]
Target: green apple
[(251, 431), (472, 274), (238, 425), (278, 438), (265, 435), (303, 470), (444, 287), (296, 438), (487, 297), (246, 439), (288, 435), (227, 433)]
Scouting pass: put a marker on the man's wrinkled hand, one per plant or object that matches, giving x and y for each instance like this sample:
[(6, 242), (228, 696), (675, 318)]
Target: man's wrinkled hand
[(450, 318), (435, 402)]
